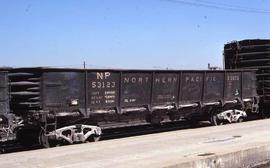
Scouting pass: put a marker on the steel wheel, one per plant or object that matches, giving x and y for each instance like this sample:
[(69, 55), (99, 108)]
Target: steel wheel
[(215, 121), (240, 119), (93, 138), (46, 142)]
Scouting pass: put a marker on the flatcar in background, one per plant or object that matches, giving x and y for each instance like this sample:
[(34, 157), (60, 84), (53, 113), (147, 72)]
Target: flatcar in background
[(66, 106), (252, 54)]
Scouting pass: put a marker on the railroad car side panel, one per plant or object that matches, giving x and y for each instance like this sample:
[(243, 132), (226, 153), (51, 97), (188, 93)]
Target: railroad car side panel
[(249, 85), (63, 91), (213, 86), (232, 86), (4, 97), (191, 87), (135, 89), (165, 88), (103, 89)]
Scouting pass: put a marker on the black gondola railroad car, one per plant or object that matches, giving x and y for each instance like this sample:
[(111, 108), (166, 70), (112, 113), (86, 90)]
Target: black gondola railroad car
[(74, 105)]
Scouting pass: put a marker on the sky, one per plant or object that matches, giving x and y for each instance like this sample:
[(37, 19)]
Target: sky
[(128, 34)]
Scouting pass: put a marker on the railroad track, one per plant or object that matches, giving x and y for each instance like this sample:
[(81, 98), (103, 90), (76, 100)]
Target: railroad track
[(119, 133), (113, 134), (147, 129)]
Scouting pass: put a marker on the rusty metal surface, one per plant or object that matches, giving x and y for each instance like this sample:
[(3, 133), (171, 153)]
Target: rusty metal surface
[(248, 84), (60, 88), (165, 88), (107, 97), (191, 87), (135, 89), (103, 89), (4, 96), (232, 85), (120, 89), (214, 86)]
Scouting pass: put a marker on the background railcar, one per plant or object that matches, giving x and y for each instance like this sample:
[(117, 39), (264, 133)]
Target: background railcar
[(74, 105), (5, 116), (252, 54)]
